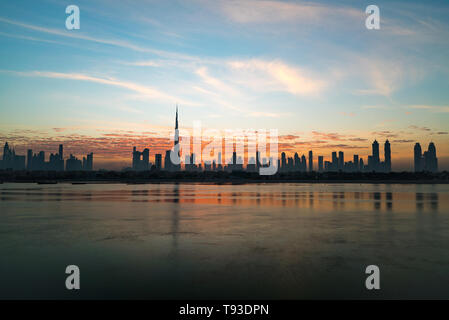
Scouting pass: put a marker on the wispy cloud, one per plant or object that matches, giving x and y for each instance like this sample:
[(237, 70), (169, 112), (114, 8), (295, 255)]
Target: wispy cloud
[(420, 128), (284, 77), (145, 91), (215, 83), (112, 42)]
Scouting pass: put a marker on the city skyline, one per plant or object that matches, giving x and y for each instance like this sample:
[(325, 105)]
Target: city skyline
[(241, 159), (141, 161), (314, 72), (10, 160)]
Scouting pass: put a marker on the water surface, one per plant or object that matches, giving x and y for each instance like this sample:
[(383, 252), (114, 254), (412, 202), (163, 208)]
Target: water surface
[(259, 241)]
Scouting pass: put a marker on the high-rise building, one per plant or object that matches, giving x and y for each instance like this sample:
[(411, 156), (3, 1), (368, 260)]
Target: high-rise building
[(375, 156), (74, 164), (290, 164), (320, 163), (283, 161), (303, 163), (418, 157), (61, 152), (174, 166), (297, 161), (341, 160), (258, 160), (89, 162), (158, 161), (11, 160), (29, 159), (334, 164), (387, 154), (430, 158), (310, 161), (141, 160), (356, 163), (167, 160)]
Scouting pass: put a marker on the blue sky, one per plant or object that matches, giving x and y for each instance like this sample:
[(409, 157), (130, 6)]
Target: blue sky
[(310, 69)]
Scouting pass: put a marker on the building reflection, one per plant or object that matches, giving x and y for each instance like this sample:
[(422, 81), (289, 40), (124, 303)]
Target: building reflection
[(433, 201), (175, 217), (419, 200), (389, 200), (377, 200)]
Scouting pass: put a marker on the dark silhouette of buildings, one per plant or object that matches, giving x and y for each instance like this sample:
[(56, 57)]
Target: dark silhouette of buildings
[(341, 160), (357, 164), (168, 163), (310, 161), (320, 164), (387, 156), (10, 160), (375, 160), (88, 162), (141, 160), (158, 161), (427, 161), (418, 159), (374, 163), (36, 161), (75, 164)]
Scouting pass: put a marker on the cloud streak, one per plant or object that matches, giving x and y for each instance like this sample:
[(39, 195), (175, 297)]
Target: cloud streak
[(284, 77), (146, 91)]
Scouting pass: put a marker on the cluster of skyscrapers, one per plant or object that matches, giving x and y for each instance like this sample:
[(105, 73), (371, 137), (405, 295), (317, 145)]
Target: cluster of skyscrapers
[(37, 162), (423, 162), (141, 160), (427, 161), (338, 163)]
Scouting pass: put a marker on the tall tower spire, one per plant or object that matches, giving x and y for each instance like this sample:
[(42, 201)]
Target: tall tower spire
[(176, 127), (176, 123)]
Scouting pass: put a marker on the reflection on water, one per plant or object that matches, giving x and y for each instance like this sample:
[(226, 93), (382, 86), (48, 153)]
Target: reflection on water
[(226, 195), (225, 241)]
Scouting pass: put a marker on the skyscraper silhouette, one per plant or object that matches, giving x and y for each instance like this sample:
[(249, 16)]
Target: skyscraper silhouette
[(341, 160), (61, 152), (430, 158), (283, 161), (303, 163), (320, 164), (158, 161), (418, 157), (176, 150), (334, 161), (375, 156), (356, 163), (176, 128), (387, 153), (310, 161), (297, 162)]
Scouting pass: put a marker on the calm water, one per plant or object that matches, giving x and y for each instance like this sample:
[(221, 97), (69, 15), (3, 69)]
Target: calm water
[(291, 241)]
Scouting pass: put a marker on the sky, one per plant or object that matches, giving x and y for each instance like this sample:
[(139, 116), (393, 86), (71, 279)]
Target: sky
[(312, 70)]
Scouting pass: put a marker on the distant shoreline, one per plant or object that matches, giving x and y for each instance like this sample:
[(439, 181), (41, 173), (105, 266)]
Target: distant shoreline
[(225, 182), (221, 177)]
